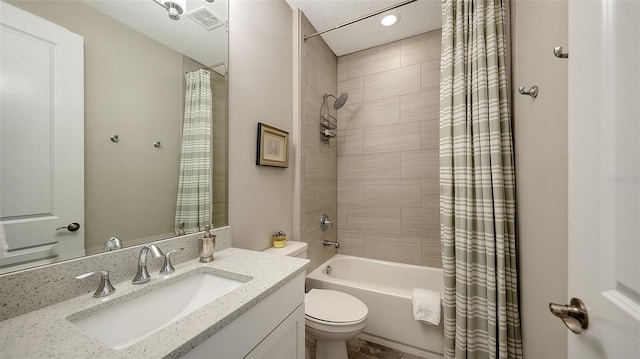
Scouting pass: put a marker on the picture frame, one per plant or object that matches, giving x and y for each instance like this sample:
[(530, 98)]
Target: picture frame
[(273, 146)]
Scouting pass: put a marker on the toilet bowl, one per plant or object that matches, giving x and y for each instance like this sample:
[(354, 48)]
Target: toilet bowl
[(332, 317)]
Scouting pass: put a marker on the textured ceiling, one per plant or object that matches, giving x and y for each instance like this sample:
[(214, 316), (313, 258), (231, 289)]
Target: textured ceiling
[(415, 18), (208, 47)]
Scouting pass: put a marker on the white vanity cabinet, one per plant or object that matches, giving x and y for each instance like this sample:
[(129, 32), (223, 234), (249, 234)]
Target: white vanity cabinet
[(273, 328)]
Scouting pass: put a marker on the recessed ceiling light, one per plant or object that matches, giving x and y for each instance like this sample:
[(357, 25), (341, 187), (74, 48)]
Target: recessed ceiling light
[(389, 19)]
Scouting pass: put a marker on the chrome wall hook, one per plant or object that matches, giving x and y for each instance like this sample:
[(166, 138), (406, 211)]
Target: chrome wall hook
[(533, 91), (156, 144), (115, 138), (557, 51)]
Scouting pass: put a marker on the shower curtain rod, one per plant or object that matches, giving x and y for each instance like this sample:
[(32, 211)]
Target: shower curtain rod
[(305, 37)]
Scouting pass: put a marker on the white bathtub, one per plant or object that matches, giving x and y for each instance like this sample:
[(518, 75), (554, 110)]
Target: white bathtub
[(386, 288)]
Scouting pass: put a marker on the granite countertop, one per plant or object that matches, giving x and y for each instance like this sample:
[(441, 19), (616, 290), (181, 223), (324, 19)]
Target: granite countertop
[(46, 333)]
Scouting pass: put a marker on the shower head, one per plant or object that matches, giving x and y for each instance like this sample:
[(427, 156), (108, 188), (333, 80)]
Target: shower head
[(340, 100)]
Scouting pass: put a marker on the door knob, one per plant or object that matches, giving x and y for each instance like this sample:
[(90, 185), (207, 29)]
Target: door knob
[(574, 315), (71, 227)]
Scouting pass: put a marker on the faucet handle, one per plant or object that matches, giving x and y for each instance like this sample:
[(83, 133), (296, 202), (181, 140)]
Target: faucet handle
[(167, 267), (325, 222), (104, 287)]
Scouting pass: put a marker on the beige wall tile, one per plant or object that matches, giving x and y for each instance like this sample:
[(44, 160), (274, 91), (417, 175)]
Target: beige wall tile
[(420, 164), (389, 164), (342, 167), (373, 219), (311, 133), (430, 74), (342, 218), (376, 113), (311, 72), (420, 48), (318, 49), (401, 137), (327, 193), (319, 165), (350, 142), (418, 221), (374, 166), (395, 248), (308, 197), (397, 82), (431, 252), (351, 243), (312, 103), (307, 28), (431, 193), (342, 68), (430, 135), (326, 77), (420, 106), (393, 193), (377, 59), (354, 88), (351, 192)]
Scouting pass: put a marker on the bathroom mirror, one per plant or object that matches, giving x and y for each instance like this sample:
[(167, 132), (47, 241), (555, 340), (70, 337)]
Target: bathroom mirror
[(135, 59)]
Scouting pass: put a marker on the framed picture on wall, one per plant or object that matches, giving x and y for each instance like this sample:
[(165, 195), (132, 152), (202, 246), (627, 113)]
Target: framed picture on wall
[(273, 146)]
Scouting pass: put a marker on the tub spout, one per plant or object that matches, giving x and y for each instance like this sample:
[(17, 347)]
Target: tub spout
[(327, 243)]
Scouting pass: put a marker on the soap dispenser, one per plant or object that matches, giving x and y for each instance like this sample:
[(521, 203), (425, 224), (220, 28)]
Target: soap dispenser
[(206, 245)]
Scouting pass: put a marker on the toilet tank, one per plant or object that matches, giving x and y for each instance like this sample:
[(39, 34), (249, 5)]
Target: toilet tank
[(293, 249)]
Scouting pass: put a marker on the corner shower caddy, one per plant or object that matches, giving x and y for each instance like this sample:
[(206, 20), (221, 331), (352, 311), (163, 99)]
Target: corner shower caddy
[(328, 122)]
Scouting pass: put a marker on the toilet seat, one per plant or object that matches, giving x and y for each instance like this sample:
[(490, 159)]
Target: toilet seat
[(332, 307)]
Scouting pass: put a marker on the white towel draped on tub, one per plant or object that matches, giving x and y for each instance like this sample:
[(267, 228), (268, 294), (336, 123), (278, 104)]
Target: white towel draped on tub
[(426, 305)]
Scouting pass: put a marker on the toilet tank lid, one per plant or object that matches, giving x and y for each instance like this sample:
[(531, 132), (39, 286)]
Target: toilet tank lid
[(292, 249)]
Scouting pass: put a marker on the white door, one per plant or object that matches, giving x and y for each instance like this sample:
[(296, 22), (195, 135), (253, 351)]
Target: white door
[(604, 175), (41, 139)]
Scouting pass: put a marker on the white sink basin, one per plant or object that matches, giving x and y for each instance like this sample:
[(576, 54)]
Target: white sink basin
[(131, 319)]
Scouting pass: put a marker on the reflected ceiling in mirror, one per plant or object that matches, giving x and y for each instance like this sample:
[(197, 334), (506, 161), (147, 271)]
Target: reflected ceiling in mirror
[(134, 61)]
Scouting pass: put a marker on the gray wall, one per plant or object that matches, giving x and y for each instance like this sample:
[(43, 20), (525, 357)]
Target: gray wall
[(260, 90), (540, 128), (388, 190)]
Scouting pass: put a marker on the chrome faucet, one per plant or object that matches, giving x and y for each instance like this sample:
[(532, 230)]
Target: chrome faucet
[(327, 243), (143, 275)]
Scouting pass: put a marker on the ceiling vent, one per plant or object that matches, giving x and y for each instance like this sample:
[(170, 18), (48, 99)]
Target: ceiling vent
[(206, 18)]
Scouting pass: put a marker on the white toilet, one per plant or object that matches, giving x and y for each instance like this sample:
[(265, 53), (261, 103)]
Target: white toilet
[(331, 317)]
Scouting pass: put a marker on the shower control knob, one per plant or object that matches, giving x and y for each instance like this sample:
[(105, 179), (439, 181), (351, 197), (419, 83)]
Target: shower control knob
[(325, 222)]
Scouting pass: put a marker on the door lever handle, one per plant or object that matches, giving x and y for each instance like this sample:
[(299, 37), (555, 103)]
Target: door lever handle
[(71, 227), (574, 315)]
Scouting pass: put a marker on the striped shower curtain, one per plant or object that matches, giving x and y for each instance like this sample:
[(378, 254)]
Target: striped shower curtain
[(477, 184), (193, 208)]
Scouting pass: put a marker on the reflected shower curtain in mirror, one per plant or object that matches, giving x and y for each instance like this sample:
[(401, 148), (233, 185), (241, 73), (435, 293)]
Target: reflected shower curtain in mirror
[(477, 184), (193, 208)]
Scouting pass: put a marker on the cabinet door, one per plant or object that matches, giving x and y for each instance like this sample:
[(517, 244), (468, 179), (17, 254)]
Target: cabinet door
[(284, 342)]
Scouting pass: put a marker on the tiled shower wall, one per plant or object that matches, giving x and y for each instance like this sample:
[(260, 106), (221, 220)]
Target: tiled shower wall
[(387, 152), (318, 160)]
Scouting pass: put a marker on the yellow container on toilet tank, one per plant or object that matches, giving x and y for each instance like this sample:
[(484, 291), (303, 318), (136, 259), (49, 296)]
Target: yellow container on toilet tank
[(279, 239)]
